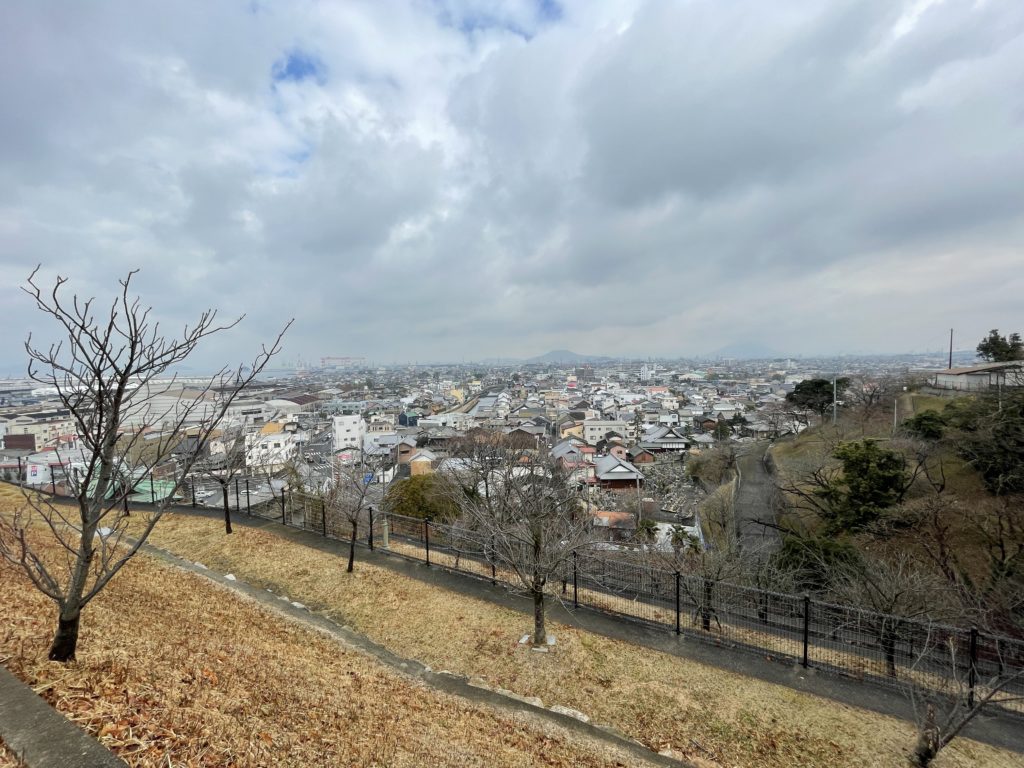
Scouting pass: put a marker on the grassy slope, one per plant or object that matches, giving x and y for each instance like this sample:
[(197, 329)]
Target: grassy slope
[(708, 714), (8, 758), (964, 485), (175, 670)]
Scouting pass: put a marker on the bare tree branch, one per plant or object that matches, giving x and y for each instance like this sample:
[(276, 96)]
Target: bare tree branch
[(109, 374)]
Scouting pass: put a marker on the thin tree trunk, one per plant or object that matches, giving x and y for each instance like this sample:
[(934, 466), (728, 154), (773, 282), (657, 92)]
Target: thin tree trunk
[(890, 658), (928, 740), (65, 641), (540, 635), (227, 512), (705, 607), (352, 547)]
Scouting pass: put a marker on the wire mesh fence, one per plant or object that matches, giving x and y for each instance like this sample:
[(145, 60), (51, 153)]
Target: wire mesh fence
[(872, 647), (859, 644)]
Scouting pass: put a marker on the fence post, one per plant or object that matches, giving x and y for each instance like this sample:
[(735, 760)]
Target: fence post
[(575, 584), (193, 494), (807, 626), (238, 504), (972, 672), (370, 535), (152, 491), (426, 538), (53, 483), (248, 511), (323, 516), (678, 628), (20, 482), (283, 521)]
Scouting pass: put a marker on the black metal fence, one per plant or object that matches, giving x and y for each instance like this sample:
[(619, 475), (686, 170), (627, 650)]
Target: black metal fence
[(859, 644)]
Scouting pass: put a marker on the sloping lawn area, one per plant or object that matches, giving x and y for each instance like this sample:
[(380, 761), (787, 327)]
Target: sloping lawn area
[(174, 670), (712, 717)]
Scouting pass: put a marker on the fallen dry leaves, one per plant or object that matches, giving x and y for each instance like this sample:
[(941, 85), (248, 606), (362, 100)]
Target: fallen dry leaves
[(8, 759), (710, 716), (175, 670)]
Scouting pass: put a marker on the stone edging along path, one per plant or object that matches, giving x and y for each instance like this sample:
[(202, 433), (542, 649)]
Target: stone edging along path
[(990, 728), (471, 689), (46, 739), (41, 736)]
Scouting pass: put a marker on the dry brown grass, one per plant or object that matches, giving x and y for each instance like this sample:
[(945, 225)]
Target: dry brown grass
[(175, 670), (710, 715), (8, 759)]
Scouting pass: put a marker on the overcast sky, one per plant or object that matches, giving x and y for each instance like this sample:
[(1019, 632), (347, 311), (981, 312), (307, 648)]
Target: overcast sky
[(443, 180)]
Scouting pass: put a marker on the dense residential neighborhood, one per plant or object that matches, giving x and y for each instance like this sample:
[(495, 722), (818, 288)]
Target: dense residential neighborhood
[(608, 426)]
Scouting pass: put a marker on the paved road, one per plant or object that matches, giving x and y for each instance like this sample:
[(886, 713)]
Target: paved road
[(753, 502)]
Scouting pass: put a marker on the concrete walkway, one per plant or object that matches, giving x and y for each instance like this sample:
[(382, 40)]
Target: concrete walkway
[(990, 727), (471, 689), (753, 503), (41, 736)]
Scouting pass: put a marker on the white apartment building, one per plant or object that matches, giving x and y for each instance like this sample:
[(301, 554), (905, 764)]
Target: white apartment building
[(349, 431), (271, 448), (595, 429)]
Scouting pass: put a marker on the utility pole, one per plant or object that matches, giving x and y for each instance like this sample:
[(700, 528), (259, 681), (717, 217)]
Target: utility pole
[(950, 349), (834, 403)]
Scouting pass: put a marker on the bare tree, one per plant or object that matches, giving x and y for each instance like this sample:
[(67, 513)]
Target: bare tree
[(936, 543), (997, 525), (350, 494), (892, 591), (223, 463), (783, 419), (872, 397), (106, 373), (529, 517), (947, 692)]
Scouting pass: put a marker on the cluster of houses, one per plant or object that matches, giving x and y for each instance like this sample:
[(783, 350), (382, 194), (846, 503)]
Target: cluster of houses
[(608, 427), (604, 430)]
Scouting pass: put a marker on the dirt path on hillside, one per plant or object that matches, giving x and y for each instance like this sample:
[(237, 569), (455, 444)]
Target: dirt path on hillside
[(753, 505)]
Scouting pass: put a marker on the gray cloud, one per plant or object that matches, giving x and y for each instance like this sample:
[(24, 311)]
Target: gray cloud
[(457, 180)]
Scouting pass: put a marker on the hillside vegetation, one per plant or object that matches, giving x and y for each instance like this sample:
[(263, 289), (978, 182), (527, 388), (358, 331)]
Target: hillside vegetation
[(936, 503), (710, 716)]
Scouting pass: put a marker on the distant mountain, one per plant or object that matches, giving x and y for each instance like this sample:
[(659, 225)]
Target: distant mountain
[(565, 356), (747, 351)]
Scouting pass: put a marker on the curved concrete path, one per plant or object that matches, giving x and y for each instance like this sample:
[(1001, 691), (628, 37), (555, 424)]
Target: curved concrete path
[(753, 505)]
